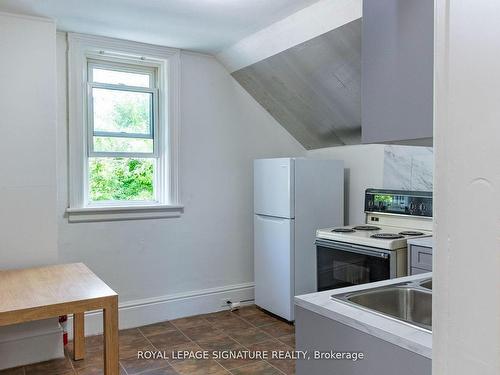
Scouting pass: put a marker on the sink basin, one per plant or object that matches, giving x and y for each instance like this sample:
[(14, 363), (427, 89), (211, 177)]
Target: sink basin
[(410, 303), (427, 284)]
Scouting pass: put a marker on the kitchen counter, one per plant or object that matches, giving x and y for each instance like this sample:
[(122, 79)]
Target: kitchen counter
[(422, 241), (398, 333)]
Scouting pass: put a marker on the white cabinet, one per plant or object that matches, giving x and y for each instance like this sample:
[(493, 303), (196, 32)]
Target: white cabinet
[(420, 255), (315, 332), (397, 71)]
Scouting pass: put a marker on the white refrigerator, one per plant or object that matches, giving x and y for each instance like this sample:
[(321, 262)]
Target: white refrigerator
[(292, 198)]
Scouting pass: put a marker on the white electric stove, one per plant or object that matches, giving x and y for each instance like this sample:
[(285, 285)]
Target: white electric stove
[(378, 236), (377, 249)]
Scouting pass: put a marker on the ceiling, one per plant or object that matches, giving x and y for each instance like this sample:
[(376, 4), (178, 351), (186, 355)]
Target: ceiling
[(313, 89), (200, 25)]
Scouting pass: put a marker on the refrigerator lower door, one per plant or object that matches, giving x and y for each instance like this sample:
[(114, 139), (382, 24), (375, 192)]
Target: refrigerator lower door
[(274, 267)]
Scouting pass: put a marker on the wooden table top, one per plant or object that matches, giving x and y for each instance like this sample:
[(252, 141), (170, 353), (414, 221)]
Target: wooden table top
[(27, 289)]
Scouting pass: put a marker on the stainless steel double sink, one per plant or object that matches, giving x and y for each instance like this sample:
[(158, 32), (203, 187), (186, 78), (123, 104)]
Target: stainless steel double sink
[(409, 302)]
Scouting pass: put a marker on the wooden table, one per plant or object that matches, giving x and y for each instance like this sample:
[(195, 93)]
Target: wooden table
[(46, 292)]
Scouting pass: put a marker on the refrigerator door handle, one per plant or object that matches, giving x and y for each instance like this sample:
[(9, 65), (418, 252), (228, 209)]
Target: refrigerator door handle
[(272, 218)]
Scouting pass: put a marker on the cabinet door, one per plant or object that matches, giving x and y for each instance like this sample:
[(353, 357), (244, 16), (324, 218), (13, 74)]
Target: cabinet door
[(421, 257), (417, 271), (397, 70)]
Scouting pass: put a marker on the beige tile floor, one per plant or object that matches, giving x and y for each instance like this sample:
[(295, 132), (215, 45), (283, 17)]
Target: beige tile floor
[(246, 329)]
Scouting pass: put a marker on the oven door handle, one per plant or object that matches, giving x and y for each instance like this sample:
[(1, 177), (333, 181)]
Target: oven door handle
[(353, 249)]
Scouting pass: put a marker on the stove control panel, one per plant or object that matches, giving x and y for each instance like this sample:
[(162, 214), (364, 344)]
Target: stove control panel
[(402, 202)]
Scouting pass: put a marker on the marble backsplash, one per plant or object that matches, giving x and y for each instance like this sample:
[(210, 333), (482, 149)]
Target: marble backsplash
[(408, 168)]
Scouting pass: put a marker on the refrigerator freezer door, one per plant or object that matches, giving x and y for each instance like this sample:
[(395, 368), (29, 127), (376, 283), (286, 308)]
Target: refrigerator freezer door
[(273, 248), (273, 187)]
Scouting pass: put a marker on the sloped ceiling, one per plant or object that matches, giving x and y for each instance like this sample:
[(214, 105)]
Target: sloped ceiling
[(313, 89)]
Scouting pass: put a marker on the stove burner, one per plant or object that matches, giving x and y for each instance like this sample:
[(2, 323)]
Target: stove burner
[(366, 227), (387, 236), (343, 230), (411, 233)]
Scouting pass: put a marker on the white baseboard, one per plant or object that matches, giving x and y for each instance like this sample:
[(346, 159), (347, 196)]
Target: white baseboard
[(158, 309)]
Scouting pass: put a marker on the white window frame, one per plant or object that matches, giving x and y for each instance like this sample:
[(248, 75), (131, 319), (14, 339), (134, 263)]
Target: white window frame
[(166, 61), (140, 68)]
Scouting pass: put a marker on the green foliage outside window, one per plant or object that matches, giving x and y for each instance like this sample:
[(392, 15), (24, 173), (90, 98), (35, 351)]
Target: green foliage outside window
[(132, 116), (123, 179), (120, 179)]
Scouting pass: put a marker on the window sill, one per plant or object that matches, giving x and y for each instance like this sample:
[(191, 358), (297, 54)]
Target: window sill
[(114, 213)]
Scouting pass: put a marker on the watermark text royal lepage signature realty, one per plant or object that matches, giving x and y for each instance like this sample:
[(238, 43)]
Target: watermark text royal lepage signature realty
[(251, 354)]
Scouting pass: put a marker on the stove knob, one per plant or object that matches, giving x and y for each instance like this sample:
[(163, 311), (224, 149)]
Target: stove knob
[(370, 204), (422, 207), (412, 206)]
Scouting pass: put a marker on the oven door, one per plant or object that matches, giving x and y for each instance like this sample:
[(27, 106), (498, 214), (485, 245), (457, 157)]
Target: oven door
[(340, 265)]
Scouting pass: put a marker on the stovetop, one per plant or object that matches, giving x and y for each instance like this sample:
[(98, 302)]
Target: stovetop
[(366, 235)]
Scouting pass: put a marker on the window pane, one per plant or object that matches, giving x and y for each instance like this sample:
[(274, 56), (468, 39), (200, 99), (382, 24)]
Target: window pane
[(114, 144), (121, 179), (120, 78), (122, 111)]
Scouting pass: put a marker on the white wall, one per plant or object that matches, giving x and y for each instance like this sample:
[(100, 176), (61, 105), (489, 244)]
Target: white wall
[(466, 297), (223, 129), (364, 168), (28, 225)]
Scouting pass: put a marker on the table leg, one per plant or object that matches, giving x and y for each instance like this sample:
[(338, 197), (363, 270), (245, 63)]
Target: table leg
[(111, 366), (78, 336)]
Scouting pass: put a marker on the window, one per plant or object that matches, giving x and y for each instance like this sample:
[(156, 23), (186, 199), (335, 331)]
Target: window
[(123, 137), (123, 115)]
